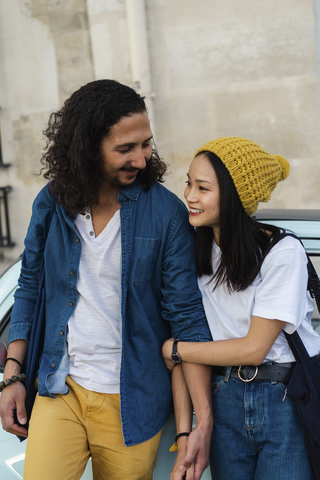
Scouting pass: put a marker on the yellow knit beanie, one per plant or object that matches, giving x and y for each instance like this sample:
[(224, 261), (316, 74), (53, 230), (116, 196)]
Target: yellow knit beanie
[(254, 172)]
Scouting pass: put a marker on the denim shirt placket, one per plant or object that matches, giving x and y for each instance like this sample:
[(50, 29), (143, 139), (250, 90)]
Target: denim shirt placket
[(57, 373), (126, 199)]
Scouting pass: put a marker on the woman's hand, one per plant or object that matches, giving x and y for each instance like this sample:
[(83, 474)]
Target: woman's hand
[(166, 353), (177, 473)]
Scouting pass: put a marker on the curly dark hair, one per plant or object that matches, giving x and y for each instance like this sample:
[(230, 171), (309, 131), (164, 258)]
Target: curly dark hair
[(71, 159)]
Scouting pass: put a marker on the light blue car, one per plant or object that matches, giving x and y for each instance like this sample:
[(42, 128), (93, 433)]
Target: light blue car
[(304, 223)]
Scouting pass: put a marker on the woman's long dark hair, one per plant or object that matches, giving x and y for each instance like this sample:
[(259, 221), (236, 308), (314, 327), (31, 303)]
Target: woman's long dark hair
[(243, 241), (72, 160)]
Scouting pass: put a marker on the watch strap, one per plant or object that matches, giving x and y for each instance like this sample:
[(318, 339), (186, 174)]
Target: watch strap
[(175, 355)]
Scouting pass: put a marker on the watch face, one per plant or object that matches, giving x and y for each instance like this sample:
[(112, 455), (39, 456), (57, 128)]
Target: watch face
[(175, 357)]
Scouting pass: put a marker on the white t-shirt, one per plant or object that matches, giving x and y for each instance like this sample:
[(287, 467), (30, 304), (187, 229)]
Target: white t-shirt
[(278, 292), (94, 328)]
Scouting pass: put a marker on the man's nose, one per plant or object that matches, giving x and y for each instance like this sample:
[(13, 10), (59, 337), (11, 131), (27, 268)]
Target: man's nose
[(139, 160)]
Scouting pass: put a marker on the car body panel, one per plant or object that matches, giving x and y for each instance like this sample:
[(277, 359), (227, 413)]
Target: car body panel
[(8, 285)]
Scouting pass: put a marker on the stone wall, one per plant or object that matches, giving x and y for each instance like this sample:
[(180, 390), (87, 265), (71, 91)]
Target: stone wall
[(238, 69), (244, 68)]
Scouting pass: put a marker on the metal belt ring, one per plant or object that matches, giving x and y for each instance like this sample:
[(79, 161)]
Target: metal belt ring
[(249, 379)]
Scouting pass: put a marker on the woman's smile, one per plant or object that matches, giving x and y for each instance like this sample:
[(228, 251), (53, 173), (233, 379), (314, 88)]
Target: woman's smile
[(202, 194), (194, 211)]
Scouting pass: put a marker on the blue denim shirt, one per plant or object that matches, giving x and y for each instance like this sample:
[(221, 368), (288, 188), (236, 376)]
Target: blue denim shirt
[(159, 298)]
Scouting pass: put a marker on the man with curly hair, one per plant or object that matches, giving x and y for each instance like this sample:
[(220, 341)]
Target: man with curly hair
[(120, 280)]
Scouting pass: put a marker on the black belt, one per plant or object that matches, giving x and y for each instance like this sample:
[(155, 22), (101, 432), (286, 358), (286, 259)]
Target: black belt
[(276, 372)]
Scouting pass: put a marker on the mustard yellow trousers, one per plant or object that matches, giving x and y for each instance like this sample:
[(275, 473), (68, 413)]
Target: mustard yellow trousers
[(64, 433)]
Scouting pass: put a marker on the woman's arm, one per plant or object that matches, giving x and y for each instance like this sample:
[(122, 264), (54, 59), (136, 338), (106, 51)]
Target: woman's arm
[(198, 378), (13, 397), (193, 451), (183, 416), (249, 350)]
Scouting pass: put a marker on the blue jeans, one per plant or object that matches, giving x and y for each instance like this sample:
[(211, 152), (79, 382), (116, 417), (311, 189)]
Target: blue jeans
[(257, 433)]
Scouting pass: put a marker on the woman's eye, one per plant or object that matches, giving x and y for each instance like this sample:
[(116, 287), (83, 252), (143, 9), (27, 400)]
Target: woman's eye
[(188, 183), (202, 188), (146, 145)]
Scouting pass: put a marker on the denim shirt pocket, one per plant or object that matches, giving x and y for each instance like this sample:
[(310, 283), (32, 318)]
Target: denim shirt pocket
[(144, 260)]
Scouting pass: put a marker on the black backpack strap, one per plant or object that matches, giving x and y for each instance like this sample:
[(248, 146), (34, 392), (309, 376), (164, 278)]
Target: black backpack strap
[(298, 349), (313, 283), (313, 280)]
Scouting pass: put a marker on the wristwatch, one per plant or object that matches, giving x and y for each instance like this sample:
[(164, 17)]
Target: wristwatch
[(175, 357)]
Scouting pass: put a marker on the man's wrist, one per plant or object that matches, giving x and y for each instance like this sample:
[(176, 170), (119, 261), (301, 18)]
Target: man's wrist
[(12, 359), (205, 424), (204, 416), (11, 369)]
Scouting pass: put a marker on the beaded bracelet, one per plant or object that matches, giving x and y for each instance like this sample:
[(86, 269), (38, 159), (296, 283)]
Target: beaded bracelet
[(8, 381)]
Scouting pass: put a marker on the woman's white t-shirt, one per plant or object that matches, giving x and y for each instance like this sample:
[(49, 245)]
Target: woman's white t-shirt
[(278, 292)]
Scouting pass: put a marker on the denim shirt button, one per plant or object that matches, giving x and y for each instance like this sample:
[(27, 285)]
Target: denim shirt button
[(77, 240), (71, 272), (52, 365), (70, 304), (61, 333), (134, 196)]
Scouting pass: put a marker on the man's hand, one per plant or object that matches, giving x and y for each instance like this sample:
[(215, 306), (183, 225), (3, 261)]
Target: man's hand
[(13, 398), (166, 353), (196, 459)]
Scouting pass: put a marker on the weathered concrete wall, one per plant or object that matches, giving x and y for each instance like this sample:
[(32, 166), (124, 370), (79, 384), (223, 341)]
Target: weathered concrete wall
[(238, 68), (67, 22), (109, 39), (244, 68), (45, 54)]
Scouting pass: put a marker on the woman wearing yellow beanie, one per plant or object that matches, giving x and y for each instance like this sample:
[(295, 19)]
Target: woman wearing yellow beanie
[(254, 285)]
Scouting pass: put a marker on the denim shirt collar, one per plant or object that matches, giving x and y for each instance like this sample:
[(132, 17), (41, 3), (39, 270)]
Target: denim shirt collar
[(131, 192)]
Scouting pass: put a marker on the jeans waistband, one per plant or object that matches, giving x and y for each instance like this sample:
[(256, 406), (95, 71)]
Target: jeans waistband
[(276, 372)]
